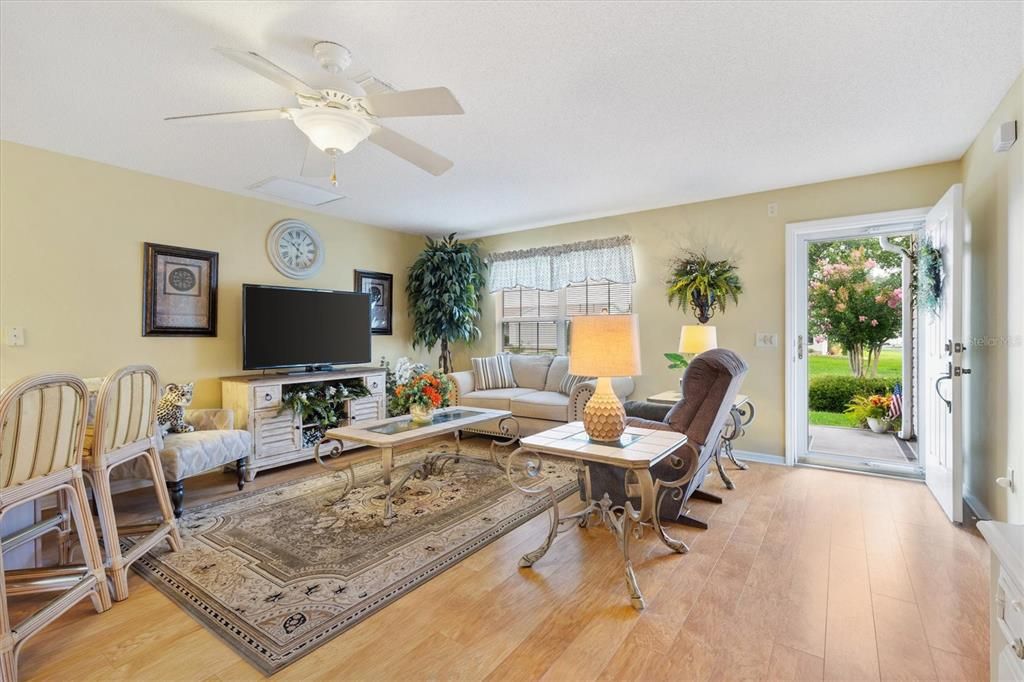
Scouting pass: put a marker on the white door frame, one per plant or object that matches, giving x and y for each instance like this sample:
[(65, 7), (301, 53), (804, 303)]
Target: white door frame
[(798, 236)]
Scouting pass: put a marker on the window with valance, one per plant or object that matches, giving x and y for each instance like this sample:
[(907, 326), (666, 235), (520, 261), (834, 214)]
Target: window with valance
[(550, 268), (543, 289)]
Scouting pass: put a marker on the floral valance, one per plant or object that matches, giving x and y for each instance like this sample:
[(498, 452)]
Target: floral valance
[(555, 267)]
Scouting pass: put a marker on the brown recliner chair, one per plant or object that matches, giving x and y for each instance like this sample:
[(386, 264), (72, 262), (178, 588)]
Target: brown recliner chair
[(710, 385)]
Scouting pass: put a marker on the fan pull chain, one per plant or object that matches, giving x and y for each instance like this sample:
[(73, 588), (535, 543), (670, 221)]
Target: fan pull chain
[(334, 170)]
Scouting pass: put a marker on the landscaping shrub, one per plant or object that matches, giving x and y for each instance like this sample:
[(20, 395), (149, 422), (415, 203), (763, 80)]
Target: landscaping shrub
[(833, 393)]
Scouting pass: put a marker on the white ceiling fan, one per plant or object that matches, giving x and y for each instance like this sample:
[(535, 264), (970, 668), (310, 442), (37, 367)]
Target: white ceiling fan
[(338, 118)]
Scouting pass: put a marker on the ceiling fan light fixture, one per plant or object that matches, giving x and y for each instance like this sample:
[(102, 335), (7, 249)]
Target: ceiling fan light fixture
[(328, 128)]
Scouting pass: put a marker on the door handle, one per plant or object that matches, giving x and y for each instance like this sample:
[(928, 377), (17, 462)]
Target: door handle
[(800, 347), (945, 377)]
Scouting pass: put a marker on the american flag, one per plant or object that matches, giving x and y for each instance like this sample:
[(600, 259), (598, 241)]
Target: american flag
[(896, 404)]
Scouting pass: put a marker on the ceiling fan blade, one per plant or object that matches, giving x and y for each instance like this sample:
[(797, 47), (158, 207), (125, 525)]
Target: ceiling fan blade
[(413, 152), (268, 69), (247, 115), (425, 102), (315, 164)]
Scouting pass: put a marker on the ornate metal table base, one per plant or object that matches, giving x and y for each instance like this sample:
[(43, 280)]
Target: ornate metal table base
[(431, 465), (624, 521), (740, 418)]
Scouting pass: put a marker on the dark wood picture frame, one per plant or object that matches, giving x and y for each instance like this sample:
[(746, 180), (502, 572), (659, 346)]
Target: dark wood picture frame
[(154, 297), (385, 300)]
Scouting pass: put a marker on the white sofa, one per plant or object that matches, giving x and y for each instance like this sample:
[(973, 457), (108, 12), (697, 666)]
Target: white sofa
[(535, 402)]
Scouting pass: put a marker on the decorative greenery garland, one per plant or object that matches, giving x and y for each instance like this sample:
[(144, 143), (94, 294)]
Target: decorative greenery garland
[(929, 276)]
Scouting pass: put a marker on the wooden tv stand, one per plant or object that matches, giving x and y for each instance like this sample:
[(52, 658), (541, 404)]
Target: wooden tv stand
[(276, 433)]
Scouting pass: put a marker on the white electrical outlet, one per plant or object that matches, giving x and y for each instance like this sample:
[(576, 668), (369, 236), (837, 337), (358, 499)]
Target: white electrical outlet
[(15, 336), (767, 340), (773, 210)]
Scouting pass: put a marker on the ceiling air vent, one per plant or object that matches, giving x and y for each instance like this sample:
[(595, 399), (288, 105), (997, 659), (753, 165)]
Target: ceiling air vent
[(293, 190)]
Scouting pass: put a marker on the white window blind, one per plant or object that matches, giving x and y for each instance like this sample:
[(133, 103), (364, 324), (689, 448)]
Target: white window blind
[(596, 298), (535, 322)]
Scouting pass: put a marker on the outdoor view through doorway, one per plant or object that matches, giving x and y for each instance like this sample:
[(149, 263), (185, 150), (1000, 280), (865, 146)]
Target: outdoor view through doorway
[(858, 345)]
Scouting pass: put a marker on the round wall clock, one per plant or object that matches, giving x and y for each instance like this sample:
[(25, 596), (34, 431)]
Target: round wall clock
[(295, 249)]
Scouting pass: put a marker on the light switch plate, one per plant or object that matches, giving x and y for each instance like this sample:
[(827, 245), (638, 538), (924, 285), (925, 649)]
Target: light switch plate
[(15, 336), (767, 340), (773, 210)]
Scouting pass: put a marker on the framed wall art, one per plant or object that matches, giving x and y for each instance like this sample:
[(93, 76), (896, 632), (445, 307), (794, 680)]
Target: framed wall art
[(379, 286), (180, 296)]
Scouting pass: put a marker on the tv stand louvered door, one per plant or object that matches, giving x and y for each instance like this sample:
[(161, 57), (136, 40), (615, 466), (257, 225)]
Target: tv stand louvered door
[(277, 432)]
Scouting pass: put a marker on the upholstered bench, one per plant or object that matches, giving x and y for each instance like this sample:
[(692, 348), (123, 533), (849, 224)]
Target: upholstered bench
[(213, 445)]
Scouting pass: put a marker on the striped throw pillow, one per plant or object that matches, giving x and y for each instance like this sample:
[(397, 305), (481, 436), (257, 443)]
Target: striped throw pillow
[(571, 381), (493, 372)]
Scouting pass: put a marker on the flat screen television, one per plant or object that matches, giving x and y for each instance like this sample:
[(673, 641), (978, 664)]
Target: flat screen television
[(312, 328)]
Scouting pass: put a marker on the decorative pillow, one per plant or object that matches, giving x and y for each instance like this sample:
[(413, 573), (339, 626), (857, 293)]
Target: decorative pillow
[(493, 372), (570, 382), (170, 411), (530, 371)]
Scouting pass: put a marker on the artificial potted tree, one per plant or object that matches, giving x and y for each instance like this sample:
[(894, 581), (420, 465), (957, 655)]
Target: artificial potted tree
[(446, 284)]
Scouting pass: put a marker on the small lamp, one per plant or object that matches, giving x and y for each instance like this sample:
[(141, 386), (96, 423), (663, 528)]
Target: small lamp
[(694, 339), (605, 346)]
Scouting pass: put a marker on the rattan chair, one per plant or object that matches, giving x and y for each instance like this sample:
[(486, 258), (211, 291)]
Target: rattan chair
[(42, 427), (126, 430)]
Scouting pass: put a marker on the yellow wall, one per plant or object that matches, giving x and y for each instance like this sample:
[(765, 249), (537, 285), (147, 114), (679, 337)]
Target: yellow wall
[(738, 228), (994, 203), (71, 235)]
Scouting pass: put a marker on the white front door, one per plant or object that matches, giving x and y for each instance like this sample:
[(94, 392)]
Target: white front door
[(941, 355)]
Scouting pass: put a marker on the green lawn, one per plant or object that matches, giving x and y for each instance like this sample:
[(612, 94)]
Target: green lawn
[(830, 419), (889, 365)]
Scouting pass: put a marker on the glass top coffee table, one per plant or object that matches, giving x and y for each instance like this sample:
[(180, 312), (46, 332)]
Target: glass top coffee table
[(393, 433), (636, 452)]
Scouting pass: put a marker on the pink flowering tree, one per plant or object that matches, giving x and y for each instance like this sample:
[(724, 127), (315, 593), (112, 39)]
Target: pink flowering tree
[(857, 305)]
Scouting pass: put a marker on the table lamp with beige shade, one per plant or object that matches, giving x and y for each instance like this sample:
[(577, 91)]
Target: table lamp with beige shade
[(605, 346), (694, 339)]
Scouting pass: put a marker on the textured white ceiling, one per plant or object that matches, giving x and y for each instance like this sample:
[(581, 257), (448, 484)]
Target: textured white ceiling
[(573, 110)]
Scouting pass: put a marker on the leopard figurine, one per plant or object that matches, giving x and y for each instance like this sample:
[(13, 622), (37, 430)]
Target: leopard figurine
[(170, 411)]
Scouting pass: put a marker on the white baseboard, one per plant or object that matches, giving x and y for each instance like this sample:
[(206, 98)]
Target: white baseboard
[(761, 457)]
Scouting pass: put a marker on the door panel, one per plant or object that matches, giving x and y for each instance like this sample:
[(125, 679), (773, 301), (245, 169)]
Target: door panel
[(941, 350)]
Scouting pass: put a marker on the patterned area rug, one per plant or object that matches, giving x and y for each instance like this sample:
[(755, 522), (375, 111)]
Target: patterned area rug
[(279, 572)]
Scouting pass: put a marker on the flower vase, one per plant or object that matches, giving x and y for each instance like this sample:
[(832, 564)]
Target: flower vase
[(878, 425), (421, 414)]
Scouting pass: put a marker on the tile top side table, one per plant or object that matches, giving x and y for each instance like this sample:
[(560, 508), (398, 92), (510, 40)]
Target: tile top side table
[(636, 452)]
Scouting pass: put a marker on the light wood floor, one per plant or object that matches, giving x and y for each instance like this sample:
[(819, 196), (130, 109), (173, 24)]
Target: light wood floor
[(805, 574)]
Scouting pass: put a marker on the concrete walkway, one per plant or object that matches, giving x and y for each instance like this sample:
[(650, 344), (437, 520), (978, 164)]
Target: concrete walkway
[(861, 443)]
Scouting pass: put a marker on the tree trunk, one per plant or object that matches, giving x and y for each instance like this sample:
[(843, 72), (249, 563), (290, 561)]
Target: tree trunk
[(856, 357), (876, 355), (445, 360)]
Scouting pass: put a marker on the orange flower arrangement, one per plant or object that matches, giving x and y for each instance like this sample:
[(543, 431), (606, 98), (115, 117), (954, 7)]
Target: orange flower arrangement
[(430, 390), (864, 407)]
